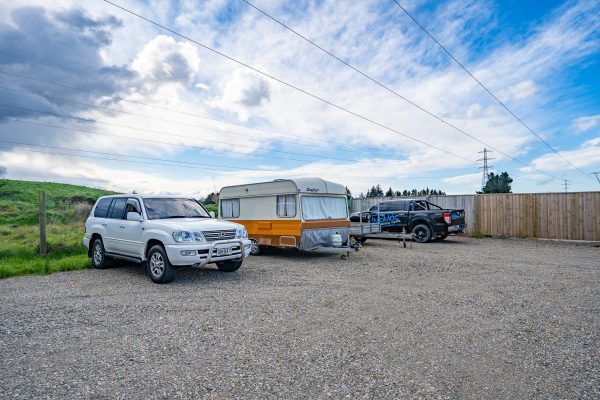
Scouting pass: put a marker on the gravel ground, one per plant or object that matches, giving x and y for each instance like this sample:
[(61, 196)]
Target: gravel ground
[(461, 319)]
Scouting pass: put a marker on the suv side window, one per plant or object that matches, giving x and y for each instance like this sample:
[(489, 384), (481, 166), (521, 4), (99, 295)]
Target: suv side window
[(102, 207), (118, 208)]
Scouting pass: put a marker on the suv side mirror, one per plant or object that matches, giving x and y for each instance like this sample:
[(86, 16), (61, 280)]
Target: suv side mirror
[(133, 216), (212, 214)]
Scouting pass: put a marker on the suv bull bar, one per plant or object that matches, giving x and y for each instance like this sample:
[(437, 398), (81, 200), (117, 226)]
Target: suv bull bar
[(222, 242)]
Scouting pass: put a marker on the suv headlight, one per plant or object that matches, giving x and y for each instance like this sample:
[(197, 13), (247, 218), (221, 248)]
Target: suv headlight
[(188, 237), (241, 233)]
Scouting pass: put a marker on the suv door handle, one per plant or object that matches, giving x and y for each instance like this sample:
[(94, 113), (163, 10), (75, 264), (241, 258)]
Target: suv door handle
[(104, 224), (122, 226)]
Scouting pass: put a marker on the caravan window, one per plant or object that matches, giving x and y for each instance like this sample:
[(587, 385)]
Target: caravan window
[(286, 206), (230, 208), (321, 207)]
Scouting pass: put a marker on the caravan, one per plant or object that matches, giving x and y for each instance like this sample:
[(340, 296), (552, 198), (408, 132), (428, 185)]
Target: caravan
[(304, 213)]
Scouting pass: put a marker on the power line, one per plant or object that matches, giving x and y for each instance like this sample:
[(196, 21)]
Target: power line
[(110, 159), (168, 134), (313, 95), (156, 118), (597, 175), (312, 139), (128, 137), (183, 163), (484, 87), (378, 83), (287, 84), (146, 116)]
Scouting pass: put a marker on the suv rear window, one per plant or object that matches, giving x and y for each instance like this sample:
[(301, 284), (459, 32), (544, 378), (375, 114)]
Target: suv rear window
[(102, 208), (118, 208)]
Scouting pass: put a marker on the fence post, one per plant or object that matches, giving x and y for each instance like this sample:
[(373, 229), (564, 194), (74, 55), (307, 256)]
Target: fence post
[(43, 245)]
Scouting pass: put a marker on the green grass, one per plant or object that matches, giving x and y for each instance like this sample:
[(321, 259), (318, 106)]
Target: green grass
[(19, 248), (478, 235), (67, 207)]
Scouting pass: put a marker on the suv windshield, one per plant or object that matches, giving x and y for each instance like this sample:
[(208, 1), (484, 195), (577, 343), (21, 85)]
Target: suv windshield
[(161, 208)]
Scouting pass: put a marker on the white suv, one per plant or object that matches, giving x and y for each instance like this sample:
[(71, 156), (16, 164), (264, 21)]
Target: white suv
[(163, 232)]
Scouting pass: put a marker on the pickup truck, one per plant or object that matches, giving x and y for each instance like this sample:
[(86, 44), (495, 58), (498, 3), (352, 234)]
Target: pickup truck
[(162, 232), (425, 220)]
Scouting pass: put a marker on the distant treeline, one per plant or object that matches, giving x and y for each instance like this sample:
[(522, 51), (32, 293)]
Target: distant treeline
[(377, 191)]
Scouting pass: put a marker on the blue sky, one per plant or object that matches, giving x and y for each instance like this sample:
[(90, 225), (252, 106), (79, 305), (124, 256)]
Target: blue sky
[(177, 118)]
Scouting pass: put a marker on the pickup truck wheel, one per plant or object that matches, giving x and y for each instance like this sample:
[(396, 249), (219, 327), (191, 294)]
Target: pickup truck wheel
[(158, 265), (229, 266), (255, 249), (99, 260), (422, 233), (444, 236)]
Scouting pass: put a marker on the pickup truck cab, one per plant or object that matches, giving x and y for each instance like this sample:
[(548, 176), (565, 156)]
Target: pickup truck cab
[(425, 220), (162, 232)]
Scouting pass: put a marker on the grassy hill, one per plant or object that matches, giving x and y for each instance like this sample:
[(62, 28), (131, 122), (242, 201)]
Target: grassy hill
[(67, 207), (19, 201)]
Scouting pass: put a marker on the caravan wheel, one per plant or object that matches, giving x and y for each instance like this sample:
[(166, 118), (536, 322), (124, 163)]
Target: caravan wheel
[(255, 250)]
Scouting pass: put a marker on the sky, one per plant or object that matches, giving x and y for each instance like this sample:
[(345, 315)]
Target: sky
[(94, 95)]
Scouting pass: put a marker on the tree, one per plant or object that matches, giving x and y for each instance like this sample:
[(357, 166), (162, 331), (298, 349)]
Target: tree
[(348, 192), (498, 183), (373, 192), (398, 193), (210, 199), (389, 193)]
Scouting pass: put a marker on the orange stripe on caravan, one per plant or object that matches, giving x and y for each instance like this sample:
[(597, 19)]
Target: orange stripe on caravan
[(335, 223), (275, 227)]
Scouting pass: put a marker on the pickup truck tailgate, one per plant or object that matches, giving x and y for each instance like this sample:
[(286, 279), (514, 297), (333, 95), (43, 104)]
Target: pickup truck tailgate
[(458, 217)]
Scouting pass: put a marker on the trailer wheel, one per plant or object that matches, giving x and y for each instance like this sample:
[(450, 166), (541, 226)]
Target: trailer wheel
[(422, 233)]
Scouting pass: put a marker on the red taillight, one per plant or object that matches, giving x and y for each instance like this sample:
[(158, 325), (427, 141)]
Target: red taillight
[(448, 218)]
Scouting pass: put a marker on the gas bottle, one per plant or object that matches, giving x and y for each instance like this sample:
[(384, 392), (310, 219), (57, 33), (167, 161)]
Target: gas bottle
[(336, 240)]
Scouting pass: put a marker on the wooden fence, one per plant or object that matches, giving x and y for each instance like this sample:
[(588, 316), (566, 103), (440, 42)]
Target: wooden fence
[(572, 216)]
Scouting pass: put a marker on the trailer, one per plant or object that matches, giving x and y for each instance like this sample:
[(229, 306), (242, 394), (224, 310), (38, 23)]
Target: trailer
[(302, 213), (362, 229)]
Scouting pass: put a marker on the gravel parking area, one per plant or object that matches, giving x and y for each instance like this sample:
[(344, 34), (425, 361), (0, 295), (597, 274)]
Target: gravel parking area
[(465, 318)]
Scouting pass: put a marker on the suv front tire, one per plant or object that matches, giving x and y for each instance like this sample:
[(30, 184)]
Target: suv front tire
[(158, 266), (229, 266)]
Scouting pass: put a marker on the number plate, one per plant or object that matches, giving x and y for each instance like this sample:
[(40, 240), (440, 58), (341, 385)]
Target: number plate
[(225, 251)]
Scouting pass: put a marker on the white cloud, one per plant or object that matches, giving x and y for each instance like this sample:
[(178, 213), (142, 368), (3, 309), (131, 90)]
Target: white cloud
[(164, 59), (584, 124), (468, 179), (587, 155), (243, 91), (520, 91)]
